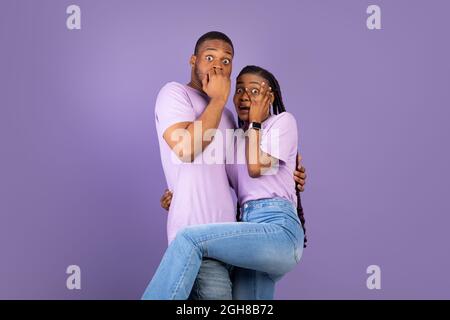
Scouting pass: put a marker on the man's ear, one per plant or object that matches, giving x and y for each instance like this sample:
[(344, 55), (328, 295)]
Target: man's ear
[(193, 60)]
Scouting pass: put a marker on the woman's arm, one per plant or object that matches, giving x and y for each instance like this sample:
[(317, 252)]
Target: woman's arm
[(258, 161)]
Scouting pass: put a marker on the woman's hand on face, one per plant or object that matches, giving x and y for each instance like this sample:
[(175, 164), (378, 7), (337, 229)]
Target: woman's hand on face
[(166, 199), (259, 106)]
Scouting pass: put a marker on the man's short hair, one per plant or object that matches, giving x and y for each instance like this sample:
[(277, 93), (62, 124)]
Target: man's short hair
[(213, 35)]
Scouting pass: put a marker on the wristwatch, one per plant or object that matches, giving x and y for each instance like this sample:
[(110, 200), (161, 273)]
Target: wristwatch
[(255, 125)]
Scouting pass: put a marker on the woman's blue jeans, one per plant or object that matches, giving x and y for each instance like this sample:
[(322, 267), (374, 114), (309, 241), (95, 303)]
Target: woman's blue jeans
[(268, 240)]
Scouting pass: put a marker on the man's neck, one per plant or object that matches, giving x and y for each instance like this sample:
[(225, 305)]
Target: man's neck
[(196, 85)]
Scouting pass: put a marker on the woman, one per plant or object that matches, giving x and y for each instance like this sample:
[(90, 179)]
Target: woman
[(270, 237)]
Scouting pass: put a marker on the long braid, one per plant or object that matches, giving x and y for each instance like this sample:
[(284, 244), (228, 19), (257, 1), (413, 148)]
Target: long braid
[(277, 108), (300, 211)]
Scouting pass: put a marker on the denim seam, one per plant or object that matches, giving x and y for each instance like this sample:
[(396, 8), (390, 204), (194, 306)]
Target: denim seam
[(182, 276), (229, 234)]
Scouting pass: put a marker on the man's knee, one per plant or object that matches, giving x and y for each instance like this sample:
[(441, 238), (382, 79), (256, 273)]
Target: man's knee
[(213, 282)]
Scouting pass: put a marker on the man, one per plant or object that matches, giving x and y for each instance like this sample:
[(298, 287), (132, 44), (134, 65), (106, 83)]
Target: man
[(201, 191)]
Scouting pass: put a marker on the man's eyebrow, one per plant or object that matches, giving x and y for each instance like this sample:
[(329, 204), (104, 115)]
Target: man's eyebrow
[(214, 49)]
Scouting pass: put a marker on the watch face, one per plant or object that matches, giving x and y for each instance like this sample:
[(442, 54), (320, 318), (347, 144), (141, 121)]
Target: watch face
[(255, 125)]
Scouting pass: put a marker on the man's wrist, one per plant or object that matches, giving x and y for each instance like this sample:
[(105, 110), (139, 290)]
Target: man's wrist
[(219, 102)]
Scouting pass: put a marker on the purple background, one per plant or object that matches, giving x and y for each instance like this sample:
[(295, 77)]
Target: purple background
[(80, 174)]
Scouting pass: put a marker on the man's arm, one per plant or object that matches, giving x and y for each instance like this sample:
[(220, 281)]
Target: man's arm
[(217, 87), (300, 174), (299, 177)]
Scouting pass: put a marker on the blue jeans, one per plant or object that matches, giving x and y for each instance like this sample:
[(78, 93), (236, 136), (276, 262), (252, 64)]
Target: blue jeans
[(252, 285), (269, 240), (213, 281)]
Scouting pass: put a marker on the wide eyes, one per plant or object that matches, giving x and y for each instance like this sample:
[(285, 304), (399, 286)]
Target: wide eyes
[(224, 61), (253, 91)]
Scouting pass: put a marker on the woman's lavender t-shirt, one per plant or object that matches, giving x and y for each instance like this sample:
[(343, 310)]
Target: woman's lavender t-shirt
[(201, 191), (279, 138)]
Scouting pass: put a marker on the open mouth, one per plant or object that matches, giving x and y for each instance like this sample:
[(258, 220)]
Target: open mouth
[(244, 109)]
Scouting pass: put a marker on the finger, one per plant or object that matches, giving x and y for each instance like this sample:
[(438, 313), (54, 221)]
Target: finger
[(299, 158), (262, 89), (296, 179), (218, 71), (205, 81), (266, 104), (299, 180), (300, 188), (166, 204), (211, 75), (264, 93), (300, 175), (267, 97), (166, 199), (269, 94)]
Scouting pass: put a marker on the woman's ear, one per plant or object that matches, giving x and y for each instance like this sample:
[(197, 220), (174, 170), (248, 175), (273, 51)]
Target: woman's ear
[(272, 98)]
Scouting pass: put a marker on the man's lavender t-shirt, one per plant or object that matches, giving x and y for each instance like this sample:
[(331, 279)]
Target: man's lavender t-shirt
[(279, 138), (201, 191)]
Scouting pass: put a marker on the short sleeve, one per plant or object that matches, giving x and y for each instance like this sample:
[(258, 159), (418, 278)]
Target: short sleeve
[(228, 119), (280, 138), (173, 106)]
